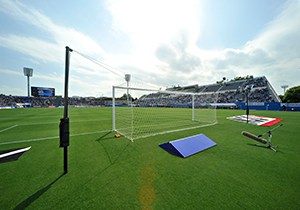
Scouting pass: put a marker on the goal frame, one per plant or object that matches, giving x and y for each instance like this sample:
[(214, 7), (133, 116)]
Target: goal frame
[(157, 91)]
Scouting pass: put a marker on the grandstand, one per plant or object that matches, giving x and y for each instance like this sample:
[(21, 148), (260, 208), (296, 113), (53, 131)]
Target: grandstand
[(25, 101), (227, 91)]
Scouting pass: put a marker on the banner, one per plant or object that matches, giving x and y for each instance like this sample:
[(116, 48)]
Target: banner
[(256, 120)]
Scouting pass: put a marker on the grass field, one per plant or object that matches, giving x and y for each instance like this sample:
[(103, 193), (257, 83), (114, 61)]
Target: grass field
[(115, 173)]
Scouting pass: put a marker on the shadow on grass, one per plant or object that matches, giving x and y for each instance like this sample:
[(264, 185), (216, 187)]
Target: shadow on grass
[(265, 147), (105, 136), (24, 204)]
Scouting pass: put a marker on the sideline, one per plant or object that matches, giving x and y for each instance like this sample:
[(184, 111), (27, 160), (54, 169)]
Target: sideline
[(48, 123), (52, 137)]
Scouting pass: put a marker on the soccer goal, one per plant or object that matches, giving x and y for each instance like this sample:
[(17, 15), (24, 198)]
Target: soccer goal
[(139, 113)]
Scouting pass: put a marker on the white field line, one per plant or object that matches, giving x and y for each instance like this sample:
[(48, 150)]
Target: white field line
[(52, 137), (29, 140), (47, 123), (11, 127), (14, 152)]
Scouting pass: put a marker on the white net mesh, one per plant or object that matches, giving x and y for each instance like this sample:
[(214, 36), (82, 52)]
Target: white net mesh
[(139, 113)]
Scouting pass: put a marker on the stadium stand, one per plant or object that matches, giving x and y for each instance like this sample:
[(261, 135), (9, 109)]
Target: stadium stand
[(227, 91), (21, 101), (212, 88)]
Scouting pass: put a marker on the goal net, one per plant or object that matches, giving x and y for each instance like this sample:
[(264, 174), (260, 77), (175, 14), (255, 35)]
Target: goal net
[(139, 113)]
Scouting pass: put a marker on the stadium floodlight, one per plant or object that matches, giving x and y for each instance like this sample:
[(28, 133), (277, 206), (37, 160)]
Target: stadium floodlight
[(127, 79), (28, 72), (158, 112)]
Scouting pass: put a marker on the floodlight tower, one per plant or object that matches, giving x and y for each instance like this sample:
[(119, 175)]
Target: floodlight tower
[(127, 79), (284, 88), (28, 72)]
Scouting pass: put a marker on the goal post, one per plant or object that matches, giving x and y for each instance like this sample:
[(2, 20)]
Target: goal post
[(140, 112)]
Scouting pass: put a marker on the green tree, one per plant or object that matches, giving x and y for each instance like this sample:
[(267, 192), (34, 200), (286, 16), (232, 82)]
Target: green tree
[(124, 97), (292, 95)]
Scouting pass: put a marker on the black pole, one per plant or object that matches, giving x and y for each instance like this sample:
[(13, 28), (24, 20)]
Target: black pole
[(65, 160), (64, 126), (67, 65), (247, 105)]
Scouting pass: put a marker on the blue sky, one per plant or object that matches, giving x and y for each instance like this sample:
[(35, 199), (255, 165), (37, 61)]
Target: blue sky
[(161, 43)]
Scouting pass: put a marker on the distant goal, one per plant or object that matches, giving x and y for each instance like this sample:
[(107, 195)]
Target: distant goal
[(139, 113)]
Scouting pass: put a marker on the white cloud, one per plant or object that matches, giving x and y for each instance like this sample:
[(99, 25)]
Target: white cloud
[(34, 47), (273, 53), (62, 36), (44, 52), (157, 29), (163, 50), (162, 36), (11, 72), (282, 35), (149, 23)]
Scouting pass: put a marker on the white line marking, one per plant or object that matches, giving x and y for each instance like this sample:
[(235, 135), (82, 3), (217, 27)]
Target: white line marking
[(29, 140), (11, 127), (48, 123), (14, 152), (53, 137)]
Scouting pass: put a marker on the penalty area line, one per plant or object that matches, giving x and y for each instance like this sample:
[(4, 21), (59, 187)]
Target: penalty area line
[(53, 137), (11, 127)]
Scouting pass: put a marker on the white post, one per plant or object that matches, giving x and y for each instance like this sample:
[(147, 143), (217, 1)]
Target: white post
[(113, 109)]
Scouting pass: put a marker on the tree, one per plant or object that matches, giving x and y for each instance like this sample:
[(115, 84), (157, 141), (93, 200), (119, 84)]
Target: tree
[(124, 97), (248, 77), (292, 95)]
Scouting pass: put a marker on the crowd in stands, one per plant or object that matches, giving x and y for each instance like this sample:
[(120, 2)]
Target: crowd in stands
[(221, 92), (170, 99), (256, 95), (21, 101), (224, 92)]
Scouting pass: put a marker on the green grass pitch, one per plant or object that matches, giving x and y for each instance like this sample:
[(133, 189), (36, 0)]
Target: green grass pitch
[(115, 173)]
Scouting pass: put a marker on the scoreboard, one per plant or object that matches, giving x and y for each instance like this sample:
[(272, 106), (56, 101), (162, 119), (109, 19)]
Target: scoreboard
[(42, 91)]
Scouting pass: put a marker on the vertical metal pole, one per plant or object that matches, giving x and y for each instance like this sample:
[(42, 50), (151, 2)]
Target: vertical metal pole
[(193, 107), (66, 101), (127, 93), (28, 85), (65, 160), (67, 64), (247, 106), (113, 110)]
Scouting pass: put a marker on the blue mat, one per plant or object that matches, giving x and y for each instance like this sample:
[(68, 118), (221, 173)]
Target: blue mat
[(188, 146)]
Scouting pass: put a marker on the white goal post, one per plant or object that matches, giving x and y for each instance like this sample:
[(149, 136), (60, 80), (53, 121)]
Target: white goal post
[(139, 112)]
